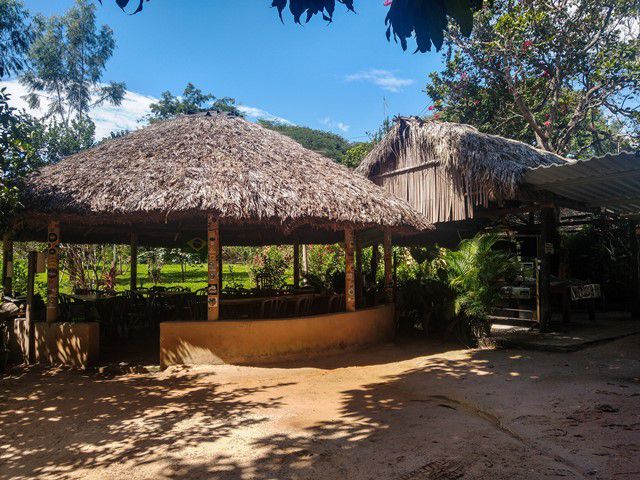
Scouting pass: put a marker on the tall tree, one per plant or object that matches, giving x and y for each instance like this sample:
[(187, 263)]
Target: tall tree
[(15, 36), (562, 74), (427, 20), (67, 60), (192, 100)]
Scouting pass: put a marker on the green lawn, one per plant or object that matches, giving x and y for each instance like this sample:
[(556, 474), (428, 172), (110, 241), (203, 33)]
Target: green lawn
[(195, 278)]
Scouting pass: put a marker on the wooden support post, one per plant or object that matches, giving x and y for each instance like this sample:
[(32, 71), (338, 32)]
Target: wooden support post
[(545, 253), (32, 262), (635, 268), (359, 279), (350, 278), (7, 265), (53, 270), (133, 284), (388, 268), (296, 265), (375, 259), (213, 244)]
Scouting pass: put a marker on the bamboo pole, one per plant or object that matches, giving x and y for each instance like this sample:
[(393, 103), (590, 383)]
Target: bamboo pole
[(296, 265), (213, 293), (388, 268), (350, 279), (133, 284), (31, 321), (53, 271), (7, 265)]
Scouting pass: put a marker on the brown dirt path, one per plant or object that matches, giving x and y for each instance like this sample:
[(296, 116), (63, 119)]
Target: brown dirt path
[(401, 412)]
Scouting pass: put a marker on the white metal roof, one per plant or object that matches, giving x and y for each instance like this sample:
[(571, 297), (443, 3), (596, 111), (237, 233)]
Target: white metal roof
[(611, 181)]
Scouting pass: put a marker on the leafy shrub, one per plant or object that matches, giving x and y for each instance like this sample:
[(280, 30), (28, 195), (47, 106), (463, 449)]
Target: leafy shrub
[(269, 268)]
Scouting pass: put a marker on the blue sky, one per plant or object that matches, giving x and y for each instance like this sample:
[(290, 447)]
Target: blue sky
[(336, 77)]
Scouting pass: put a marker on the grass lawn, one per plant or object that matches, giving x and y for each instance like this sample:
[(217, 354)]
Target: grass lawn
[(195, 278)]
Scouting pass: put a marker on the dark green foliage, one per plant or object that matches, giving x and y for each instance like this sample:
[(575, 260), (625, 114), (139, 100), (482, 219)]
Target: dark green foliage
[(325, 143), (193, 100), (15, 36), (426, 19), (600, 252)]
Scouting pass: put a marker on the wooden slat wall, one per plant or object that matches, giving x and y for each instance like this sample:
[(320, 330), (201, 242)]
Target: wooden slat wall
[(434, 192)]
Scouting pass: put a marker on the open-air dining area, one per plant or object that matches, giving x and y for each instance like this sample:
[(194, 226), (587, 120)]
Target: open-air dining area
[(201, 182)]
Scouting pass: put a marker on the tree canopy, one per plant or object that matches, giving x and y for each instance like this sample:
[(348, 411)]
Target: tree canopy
[(565, 77), (426, 20), (67, 59), (15, 36), (192, 100)]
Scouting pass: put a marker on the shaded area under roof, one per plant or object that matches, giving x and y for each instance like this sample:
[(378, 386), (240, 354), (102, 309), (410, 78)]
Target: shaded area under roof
[(611, 182)]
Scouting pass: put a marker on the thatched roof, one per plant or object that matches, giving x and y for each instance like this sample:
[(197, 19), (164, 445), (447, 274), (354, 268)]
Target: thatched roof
[(480, 161), (180, 169)]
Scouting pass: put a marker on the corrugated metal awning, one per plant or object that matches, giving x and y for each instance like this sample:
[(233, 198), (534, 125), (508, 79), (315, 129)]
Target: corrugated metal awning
[(611, 182)]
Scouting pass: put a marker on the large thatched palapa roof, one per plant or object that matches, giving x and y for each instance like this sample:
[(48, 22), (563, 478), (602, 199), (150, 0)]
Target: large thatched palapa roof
[(170, 174), (444, 169)]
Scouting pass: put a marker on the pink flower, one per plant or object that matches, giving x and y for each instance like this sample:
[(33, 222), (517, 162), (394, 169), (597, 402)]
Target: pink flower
[(431, 107), (436, 116), (527, 44), (547, 123), (387, 3)]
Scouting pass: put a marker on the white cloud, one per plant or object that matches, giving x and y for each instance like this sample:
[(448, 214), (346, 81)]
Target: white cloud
[(383, 78), (256, 113), (108, 118), (328, 122)]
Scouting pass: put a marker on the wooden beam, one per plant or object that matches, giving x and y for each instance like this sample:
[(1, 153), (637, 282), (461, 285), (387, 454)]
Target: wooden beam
[(296, 265), (400, 171), (53, 270), (635, 268), (32, 261), (545, 253), (350, 279), (7, 265), (359, 279), (587, 180), (133, 283), (388, 267), (213, 245)]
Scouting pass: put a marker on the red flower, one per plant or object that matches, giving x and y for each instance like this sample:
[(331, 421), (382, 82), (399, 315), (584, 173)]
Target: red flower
[(436, 116), (431, 107), (547, 123), (527, 44)]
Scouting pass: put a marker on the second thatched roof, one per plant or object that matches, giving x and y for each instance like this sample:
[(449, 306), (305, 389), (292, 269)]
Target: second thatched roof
[(479, 161), (214, 162)]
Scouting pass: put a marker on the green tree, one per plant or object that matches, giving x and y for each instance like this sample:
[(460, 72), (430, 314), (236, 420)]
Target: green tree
[(325, 143), (15, 36), (192, 100), (356, 153), (67, 60), (54, 140), (427, 20), (565, 77)]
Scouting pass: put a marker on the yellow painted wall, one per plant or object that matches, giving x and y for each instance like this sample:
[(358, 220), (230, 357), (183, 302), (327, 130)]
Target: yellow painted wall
[(263, 341), (71, 344)]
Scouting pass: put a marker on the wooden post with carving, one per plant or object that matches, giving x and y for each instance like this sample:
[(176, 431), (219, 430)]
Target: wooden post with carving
[(213, 292), (133, 284), (53, 270), (350, 279), (388, 268)]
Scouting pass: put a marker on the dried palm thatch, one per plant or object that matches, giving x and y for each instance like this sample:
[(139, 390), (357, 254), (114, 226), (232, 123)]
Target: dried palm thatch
[(182, 168), (445, 169)]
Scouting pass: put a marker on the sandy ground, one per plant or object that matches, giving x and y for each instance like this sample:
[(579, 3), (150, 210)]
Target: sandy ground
[(401, 412)]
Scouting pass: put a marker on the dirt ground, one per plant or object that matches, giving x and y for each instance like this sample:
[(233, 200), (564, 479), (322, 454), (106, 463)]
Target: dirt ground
[(401, 412)]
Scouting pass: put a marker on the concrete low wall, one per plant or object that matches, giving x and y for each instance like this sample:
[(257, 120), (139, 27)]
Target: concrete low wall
[(18, 341), (70, 344), (264, 341)]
